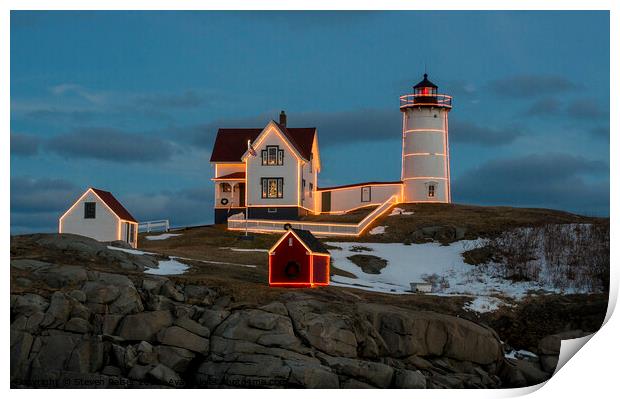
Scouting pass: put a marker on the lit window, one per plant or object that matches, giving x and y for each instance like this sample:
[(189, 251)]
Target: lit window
[(272, 156), (431, 191), (272, 187), (225, 187), (89, 210)]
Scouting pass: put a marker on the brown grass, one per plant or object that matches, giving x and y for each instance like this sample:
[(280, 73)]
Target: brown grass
[(478, 221)]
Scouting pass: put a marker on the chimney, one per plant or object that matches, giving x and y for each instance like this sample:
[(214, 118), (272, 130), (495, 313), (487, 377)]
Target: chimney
[(282, 119)]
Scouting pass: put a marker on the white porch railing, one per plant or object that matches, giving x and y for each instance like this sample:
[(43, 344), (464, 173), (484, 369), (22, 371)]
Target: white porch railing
[(154, 225), (238, 222)]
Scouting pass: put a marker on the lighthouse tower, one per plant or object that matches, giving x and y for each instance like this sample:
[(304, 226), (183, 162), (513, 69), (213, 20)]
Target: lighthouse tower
[(426, 158)]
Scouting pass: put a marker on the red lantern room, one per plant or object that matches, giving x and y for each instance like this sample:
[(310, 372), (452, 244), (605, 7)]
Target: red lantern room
[(298, 259), (425, 92)]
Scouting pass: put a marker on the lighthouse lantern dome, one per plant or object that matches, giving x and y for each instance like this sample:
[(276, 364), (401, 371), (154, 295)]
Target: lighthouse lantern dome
[(425, 87)]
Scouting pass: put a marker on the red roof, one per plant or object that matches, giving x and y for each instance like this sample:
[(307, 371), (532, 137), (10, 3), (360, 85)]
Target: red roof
[(371, 183), (114, 205), (231, 144), (236, 175), (302, 138)]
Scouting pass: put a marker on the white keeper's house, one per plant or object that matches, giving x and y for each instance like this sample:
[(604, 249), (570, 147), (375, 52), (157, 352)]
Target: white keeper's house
[(271, 173)]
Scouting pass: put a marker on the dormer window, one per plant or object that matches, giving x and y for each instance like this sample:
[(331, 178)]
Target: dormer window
[(272, 156), (225, 187)]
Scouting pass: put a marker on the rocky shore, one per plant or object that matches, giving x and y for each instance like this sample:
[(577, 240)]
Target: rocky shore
[(73, 324)]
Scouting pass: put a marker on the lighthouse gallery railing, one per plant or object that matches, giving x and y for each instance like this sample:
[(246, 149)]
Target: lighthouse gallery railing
[(414, 100)]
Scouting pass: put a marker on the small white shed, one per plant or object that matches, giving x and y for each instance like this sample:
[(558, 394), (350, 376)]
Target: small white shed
[(421, 287), (98, 214)]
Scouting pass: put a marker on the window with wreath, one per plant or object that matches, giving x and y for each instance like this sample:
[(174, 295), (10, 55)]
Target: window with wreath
[(272, 187), (272, 155)]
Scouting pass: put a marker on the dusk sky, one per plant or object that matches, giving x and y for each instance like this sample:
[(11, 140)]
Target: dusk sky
[(130, 102)]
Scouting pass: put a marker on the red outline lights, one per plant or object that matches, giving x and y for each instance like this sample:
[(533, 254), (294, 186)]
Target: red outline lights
[(308, 254)]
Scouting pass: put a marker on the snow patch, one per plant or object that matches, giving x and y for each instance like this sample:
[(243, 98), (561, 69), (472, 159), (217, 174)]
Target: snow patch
[(399, 211), (441, 265), (483, 304), (377, 230), (131, 251), (217, 262), (164, 236), (245, 249), (519, 354), (168, 267)]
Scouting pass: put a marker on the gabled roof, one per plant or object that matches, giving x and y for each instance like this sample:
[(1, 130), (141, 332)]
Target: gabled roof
[(231, 144), (311, 241), (114, 205)]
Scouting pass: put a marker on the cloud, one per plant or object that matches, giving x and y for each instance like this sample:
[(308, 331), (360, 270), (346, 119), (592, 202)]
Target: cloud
[(32, 195), (460, 88), (36, 204), (558, 181), (586, 109), (527, 86), (71, 103), (188, 99), (366, 125), (601, 132), (56, 115), (471, 133), (79, 91), (312, 19), (186, 207), (110, 145), (24, 144), (334, 127), (544, 107)]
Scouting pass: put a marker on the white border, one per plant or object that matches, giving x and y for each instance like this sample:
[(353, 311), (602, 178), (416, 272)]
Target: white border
[(592, 372)]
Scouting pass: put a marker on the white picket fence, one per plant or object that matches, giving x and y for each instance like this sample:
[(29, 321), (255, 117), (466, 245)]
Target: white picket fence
[(154, 225), (238, 222)]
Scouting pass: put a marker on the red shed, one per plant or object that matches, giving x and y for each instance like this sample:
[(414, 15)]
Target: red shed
[(298, 259)]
